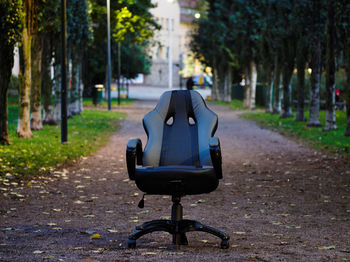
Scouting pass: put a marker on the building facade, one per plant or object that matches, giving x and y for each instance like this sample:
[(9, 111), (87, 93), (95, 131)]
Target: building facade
[(171, 56)]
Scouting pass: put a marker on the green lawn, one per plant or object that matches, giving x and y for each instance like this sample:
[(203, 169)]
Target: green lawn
[(234, 105), (333, 141), (114, 102), (27, 157)]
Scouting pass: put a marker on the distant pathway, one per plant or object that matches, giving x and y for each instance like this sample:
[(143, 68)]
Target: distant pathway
[(279, 201)]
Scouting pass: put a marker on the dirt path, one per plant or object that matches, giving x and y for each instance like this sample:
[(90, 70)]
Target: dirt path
[(279, 201)]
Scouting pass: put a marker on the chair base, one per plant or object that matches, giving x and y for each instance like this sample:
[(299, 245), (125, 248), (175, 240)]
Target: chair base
[(177, 227)]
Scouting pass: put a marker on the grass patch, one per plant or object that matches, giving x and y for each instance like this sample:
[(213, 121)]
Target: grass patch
[(316, 137), (235, 104), (87, 101), (26, 157)]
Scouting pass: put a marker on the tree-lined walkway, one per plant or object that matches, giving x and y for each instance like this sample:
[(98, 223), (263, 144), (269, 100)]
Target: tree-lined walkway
[(279, 201)]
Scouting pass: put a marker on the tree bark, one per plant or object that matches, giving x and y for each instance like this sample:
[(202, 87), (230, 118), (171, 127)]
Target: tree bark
[(247, 88), (330, 70), (222, 82), (287, 76), (5, 75), (75, 88), (23, 129), (269, 91), (57, 112), (300, 117), (316, 68), (47, 84), (253, 80), (35, 102), (214, 90), (228, 83), (276, 84), (347, 92)]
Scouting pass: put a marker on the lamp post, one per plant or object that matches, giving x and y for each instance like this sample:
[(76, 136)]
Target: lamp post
[(64, 122), (119, 71), (109, 54), (170, 54)]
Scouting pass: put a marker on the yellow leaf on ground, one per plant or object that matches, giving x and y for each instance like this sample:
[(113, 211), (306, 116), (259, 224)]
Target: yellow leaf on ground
[(95, 236)]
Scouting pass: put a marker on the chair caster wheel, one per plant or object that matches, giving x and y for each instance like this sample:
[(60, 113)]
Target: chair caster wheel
[(131, 243), (224, 244)]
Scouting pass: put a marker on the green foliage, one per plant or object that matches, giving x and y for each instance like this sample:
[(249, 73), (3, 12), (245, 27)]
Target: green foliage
[(133, 18), (333, 141), (233, 27), (27, 157), (11, 16), (78, 24), (235, 104), (134, 58), (114, 102), (132, 24)]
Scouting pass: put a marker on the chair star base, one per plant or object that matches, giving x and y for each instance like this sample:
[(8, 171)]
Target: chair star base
[(177, 227)]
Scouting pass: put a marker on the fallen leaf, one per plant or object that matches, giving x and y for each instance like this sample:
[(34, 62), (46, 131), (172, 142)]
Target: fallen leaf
[(239, 233), (276, 223), (95, 236), (293, 227), (144, 212), (89, 216), (38, 252), (326, 247)]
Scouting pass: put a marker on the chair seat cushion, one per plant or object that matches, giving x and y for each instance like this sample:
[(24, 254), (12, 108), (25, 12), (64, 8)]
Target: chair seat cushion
[(181, 180)]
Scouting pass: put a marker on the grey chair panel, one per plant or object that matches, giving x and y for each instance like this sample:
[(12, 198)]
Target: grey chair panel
[(153, 123), (207, 122)]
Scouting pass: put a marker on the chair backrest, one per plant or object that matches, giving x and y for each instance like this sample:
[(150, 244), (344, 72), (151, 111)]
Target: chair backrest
[(178, 130)]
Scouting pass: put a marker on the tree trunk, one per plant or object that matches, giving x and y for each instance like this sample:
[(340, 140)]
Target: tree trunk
[(75, 89), (300, 117), (330, 70), (269, 91), (253, 80), (47, 84), (316, 69), (35, 102), (57, 112), (228, 84), (247, 88), (347, 92), (5, 75), (221, 81), (23, 128), (287, 76), (214, 90), (276, 84)]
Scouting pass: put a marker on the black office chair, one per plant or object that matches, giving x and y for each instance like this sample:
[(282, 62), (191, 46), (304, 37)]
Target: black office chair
[(181, 158)]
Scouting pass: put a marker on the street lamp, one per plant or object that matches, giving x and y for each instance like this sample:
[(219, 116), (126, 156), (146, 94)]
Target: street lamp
[(64, 122), (170, 54), (109, 54)]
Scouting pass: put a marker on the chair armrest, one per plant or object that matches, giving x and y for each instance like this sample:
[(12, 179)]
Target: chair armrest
[(133, 155), (215, 154)]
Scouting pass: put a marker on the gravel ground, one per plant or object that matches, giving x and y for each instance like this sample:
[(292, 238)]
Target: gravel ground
[(278, 201)]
